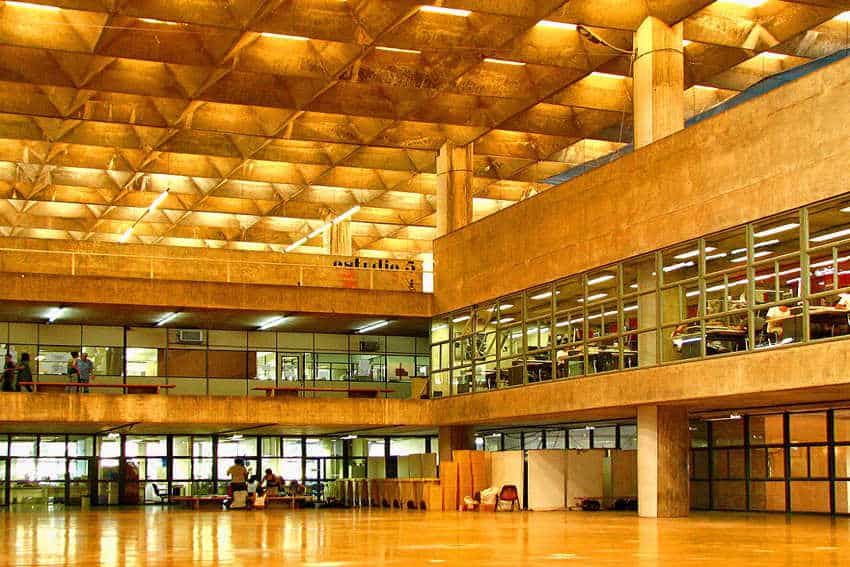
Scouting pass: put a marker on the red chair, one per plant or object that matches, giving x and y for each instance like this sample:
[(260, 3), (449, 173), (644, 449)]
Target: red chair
[(509, 493)]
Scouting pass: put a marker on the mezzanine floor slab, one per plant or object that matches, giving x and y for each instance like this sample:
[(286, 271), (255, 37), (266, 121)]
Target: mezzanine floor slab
[(341, 538)]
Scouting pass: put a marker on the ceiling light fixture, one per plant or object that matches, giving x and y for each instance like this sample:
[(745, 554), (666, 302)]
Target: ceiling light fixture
[(54, 314), (842, 17), (504, 62), (776, 229), (677, 266), (158, 201), (756, 255), (445, 11), (744, 3), (274, 322), (556, 25), (770, 242), (398, 50), (692, 253), (593, 297), (506, 320), (686, 42), (460, 319), (600, 279), (348, 437), (373, 326), (296, 244), (43, 7), (284, 36), (126, 235), (772, 55), (155, 21), (168, 317), (602, 75), (831, 235), (323, 228)]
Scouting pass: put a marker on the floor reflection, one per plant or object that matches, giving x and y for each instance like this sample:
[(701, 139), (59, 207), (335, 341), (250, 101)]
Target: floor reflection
[(328, 538)]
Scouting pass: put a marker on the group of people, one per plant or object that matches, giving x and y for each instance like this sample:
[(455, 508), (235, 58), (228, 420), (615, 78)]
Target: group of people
[(271, 484), (16, 372), (80, 370)]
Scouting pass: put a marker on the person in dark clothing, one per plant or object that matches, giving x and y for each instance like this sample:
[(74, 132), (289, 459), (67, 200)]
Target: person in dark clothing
[(24, 373), (9, 373)]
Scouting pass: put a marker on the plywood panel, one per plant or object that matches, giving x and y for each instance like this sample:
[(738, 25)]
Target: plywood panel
[(506, 468), (623, 473), (547, 473), (584, 474)]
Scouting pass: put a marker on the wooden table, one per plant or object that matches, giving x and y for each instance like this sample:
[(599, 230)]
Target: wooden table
[(195, 501), (271, 391), (63, 386)]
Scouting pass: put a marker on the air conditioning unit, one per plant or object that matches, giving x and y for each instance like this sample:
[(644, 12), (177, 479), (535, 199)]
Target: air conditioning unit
[(370, 346), (190, 336)]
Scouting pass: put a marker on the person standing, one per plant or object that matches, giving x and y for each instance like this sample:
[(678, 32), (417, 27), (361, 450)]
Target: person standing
[(73, 373), (9, 373), (24, 372), (238, 484), (85, 371)]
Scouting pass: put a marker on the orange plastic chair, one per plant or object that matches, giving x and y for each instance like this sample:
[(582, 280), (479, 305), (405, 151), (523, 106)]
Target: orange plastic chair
[(508, 493)]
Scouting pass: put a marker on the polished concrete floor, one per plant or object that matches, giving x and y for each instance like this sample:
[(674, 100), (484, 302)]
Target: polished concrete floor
[(338, 538)]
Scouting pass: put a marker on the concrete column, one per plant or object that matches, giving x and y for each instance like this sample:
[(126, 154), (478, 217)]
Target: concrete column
[(455, 437), (337, 239), (659, 90), (663, 440), (454, 187)]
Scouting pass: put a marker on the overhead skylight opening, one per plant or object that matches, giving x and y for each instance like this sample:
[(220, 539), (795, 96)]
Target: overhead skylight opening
[(160, 22), (398, 50)]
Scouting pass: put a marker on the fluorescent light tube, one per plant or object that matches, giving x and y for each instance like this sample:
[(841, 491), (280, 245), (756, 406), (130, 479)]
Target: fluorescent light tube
[(272, 322), (373, 326), (600, 279), (556, 25), (166, 319), (770, 242), (398, 50), (296, 244), (284, 36), (776, 229), (831, 235), (126, 236), (504, 62), (678, 266), (346, 214), (445, 11), (43, 7), (54, 314), (460, 319), (158, 201), (692, 253)]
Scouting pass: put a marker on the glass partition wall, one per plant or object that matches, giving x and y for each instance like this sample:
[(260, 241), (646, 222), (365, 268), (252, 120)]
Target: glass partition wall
[(775, 282), (113, 468), (216, 362)]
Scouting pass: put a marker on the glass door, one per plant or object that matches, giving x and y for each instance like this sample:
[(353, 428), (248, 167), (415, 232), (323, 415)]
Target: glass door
[(296, 368), (4, 486)]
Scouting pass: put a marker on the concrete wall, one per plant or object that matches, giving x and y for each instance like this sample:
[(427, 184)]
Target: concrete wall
[(83, 272), (210, 295), (62, 412), (777, 152), (815, 372)]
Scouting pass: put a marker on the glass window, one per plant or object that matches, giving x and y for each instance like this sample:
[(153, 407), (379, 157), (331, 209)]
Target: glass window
[(533, 440), (512, 441), (369, 367), (727, 432), (406, 446), (143, 362), (80, 446), (51, 446), (680, 263), (605, 437), (766, 429), (145, 446), (493, 442), (628, 437), (53, 361), (579, 438), (107, 361), (556, 439), (265, 366), (639, 276), (22, 446), (332, 367), (808, 427), (842, 425)]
